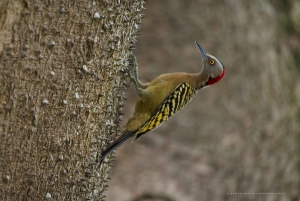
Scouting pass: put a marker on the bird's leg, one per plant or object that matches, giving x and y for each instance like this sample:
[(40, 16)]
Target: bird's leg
[(139, 86)]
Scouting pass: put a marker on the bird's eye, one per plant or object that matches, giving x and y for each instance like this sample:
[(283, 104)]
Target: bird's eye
[(211, 62)]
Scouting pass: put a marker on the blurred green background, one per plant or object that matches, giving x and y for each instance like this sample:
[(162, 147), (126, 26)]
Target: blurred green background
[(238, 136)]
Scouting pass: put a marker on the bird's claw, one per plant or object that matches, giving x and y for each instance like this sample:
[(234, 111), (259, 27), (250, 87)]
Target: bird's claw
[(133, 68)]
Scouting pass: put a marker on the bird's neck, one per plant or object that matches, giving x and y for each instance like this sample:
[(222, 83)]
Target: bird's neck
[(202, 79)]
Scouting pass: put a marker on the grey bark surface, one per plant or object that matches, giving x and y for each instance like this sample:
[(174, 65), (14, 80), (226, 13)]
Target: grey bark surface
[(62, 71)]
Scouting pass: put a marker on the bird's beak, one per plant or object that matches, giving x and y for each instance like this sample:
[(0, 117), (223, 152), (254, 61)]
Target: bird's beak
[(202, 50)]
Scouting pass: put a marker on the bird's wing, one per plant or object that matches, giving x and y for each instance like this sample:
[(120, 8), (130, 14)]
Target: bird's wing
[(177, 99)]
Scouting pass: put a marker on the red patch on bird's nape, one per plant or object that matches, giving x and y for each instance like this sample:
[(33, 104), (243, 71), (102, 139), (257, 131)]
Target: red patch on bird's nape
[(212, 81)]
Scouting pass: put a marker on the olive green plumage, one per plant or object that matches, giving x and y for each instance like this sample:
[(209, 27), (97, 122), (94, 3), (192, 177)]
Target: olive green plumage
[(164, 96)]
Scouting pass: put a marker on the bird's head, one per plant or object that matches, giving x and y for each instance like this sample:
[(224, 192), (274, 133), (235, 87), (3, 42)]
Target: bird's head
[(212, 66)]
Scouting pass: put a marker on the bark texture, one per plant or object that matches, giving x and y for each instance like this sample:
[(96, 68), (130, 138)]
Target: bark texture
[(62, 71)]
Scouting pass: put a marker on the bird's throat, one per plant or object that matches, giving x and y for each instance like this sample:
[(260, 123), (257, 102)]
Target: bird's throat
[(212, 81)]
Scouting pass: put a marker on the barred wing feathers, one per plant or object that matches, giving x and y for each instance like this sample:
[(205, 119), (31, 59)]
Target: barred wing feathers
[(179, 98)]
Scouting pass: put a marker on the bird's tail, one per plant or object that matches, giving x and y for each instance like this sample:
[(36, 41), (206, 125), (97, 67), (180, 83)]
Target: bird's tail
[(118, 142)]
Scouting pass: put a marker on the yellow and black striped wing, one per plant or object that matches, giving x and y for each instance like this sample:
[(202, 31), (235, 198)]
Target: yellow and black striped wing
[(182, 94)]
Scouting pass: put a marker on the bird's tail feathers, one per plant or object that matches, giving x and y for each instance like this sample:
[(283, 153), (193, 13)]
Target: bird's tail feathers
[(118, 142), (137, 137)]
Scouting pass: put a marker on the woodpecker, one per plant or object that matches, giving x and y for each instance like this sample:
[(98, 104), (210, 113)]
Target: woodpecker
[(164, 96)]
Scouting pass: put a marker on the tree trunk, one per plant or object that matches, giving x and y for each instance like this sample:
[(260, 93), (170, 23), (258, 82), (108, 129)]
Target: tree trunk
[(62, 71)]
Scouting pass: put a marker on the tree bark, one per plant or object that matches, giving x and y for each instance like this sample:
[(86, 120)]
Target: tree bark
[(63, 66)]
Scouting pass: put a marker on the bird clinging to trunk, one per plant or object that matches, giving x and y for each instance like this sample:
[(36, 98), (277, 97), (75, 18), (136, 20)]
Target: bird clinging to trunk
[(164, 96)]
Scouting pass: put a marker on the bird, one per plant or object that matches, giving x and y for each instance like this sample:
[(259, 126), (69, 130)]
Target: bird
[(164, 96)]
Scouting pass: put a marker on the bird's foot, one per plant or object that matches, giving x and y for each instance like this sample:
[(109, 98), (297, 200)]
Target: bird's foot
[(133, 66)]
